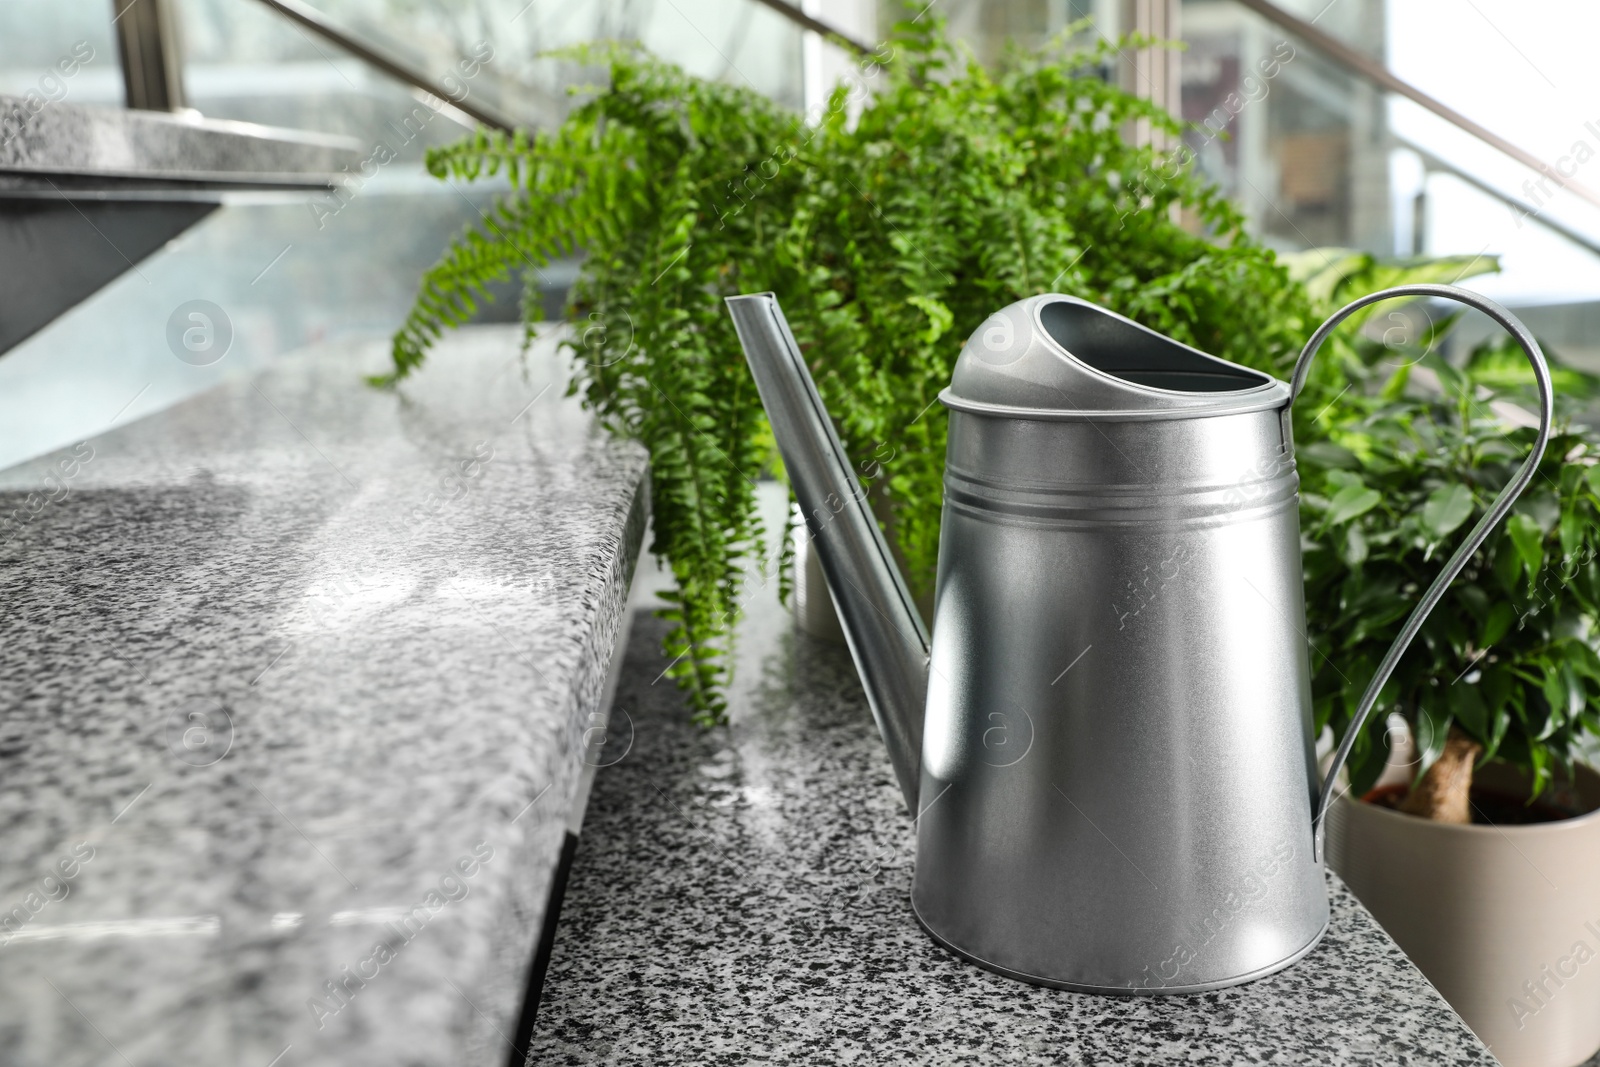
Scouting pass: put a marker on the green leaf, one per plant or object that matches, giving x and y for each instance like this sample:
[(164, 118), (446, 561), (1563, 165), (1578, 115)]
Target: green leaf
[(1395, 387), (1328, 454), (1539, 762), (1343, 478), (1454, 382), (1564, 693), (1497, 693), (1542, 506), (1367, 757), (1350, 502), (1324, 270), (1584, 660), (1500, 364), (1507, 564), (1593, 478), (1496, 623), (1430, 729), (1572, 529), (1447, 508), (939, 317), (1529, 542), (1466, 705)]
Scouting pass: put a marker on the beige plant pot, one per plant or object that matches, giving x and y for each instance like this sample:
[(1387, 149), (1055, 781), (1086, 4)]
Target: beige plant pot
[(1504, 921)]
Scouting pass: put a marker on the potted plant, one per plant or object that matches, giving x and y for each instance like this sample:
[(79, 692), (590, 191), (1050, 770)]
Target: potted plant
[(927, 193), (1479, 849)]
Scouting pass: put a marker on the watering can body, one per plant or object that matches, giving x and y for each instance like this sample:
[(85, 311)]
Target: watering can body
[(1107, 743), (1117, 769)]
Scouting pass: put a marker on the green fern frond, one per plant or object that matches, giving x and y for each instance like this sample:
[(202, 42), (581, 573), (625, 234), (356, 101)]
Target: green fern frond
[(929, 192)]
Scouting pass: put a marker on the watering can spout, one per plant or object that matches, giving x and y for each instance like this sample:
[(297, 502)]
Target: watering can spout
[(886, 635)]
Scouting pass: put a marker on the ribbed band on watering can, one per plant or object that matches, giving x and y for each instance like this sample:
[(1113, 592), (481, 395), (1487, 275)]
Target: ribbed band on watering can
[(1058, 357)]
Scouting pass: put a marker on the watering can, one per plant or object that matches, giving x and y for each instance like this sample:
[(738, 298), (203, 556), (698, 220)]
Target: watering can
[(1107, 743)]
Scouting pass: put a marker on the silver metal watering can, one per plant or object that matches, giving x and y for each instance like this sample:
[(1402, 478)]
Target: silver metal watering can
[(1107, 744)]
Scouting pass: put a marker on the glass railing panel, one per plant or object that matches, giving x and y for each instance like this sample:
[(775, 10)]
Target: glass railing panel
[(244, 61), (988, 27), (52, 50), (1315, 154), (1524, 72), (281, 284), (294, 269), (286, 269), (496, 50), (1292, 138)]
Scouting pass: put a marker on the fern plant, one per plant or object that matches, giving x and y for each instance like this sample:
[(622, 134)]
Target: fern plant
[(892, 237), (957, 190), (888, 238)]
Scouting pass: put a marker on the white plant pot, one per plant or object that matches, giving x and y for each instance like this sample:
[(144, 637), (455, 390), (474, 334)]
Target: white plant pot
[(1503, 920), (814, 612)]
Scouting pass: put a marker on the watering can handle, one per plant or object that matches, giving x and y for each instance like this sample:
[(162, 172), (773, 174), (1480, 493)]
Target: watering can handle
[(1480, 532)]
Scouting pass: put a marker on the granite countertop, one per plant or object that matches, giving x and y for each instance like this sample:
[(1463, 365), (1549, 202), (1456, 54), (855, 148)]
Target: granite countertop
[(70, 141), (294, 685), (741, 895)]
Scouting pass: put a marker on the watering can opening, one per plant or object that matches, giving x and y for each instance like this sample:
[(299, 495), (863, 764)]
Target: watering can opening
[(1054, 356), (1125, 350)]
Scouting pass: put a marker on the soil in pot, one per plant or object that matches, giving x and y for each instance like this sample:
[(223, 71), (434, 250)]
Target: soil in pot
[(1490, 807)]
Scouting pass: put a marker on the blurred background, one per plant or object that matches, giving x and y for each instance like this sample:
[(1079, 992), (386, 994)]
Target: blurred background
[(1421, 127)]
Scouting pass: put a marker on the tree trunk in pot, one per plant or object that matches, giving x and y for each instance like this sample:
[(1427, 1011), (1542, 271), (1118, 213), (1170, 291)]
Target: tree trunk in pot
[(1445, 792)]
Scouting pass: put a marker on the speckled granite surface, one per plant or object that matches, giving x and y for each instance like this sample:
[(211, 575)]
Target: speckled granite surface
[(294, 679), (741, 896), (61, 139)]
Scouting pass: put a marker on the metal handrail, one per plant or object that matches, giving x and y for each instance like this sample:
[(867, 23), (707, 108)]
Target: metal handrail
[(322, 26), (1527, 210), (1330, 46), (816, 25), (1384, 78)]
